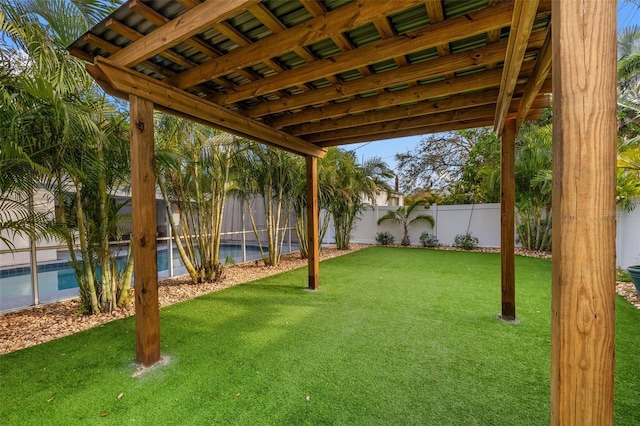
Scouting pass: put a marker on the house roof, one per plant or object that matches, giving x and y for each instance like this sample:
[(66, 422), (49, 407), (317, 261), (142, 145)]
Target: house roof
[(307, 74)]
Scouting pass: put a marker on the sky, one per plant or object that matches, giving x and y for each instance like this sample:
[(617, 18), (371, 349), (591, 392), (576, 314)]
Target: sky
[(628, 14)]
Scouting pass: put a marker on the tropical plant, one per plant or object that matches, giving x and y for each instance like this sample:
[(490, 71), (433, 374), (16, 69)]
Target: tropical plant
[(348, 186), (269, 175), (428, 239), (628, 54), (465, 241), (326, 177), (20, 178), (402, 216), (195, 174), (385, 238), (533, 186), (57, 106)]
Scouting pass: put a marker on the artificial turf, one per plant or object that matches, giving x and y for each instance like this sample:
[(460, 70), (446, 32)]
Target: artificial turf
[(394, 336)]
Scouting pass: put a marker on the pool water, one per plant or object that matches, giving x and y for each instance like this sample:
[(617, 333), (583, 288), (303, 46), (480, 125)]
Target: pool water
[(57, 280)]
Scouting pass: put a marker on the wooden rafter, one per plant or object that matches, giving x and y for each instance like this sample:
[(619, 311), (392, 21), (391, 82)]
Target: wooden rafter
[(158, 19), (433, 35), (452, 103), (535, 82), (189, 24), (446, 127), (332, 23), (435, 91), (124, 80), (524, 14), (414, 121), (423, 70)]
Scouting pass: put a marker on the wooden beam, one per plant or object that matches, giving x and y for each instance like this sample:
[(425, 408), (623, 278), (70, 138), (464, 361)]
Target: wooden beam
[(436, 14), (419, 121), (435, 10), (539, 75), (584, 190), (438, 128), (143, 206), (455, 102), (450, 30), (325, 117), (524, 14), (507, 220), (419, 71), (133, 35), (342, 19), (158, 19), (128, 81), (475, 113), (421, 93), (181, 28), (425, 108), (312, 222)]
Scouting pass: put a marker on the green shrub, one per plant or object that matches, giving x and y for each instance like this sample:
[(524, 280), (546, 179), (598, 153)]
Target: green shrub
[(384, 238), (465, 241), (429, 240)]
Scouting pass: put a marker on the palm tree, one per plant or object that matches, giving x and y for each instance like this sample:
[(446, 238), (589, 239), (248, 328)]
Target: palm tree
[(402, 216), (349, 184), (269, 175), (628, 53), (57, 105), (533, 186), (195, 173)]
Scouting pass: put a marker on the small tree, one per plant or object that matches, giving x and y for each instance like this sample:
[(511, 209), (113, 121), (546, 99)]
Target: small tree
[(348, 183), (402, 217), (269, 176)]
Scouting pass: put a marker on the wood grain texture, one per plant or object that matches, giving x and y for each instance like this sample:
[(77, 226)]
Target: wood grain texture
[(537, 79), (584, 167), (433, 35), (524, 14), (507, 220), (319, 28), (312, 222), (413, 121), (419, 71), (178, 30), (126, 80), (143, 206)]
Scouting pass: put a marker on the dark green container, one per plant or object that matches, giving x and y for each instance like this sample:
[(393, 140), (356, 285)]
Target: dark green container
[(634, 271)]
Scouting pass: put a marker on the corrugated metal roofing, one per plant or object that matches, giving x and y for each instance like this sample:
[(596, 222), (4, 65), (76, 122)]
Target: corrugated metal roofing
[(140, 18)]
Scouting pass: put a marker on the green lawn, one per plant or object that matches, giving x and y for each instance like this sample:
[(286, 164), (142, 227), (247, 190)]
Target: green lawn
[(394, 336)]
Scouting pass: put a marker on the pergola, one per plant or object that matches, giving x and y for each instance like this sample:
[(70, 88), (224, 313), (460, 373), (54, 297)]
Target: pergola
[(303, 75)]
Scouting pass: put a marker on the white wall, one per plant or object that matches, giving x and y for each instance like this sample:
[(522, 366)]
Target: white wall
[(628, 237), (482, 220)]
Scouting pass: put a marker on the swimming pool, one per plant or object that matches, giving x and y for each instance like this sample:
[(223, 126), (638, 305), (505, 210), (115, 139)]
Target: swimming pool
[(57, 280)]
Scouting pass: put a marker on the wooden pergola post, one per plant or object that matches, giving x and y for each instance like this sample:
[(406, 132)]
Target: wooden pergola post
[(143, 205), (584, 164), (507, 220), (312, 221)]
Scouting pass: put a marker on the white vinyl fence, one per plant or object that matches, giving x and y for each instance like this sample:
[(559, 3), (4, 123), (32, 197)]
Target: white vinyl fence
[(628, 236), (483, 221)]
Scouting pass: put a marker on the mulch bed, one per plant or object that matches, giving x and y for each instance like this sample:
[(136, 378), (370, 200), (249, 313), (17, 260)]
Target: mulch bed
[(43, 323)]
